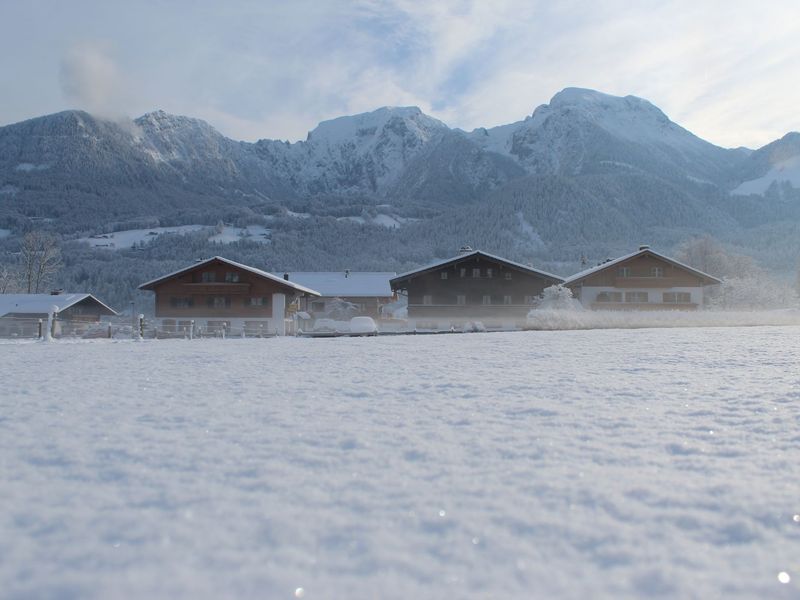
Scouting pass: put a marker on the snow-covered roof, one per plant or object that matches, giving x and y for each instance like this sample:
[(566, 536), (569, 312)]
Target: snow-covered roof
[(149, 285), (640, 252), (465, 255), (346, 283), (41, 303)]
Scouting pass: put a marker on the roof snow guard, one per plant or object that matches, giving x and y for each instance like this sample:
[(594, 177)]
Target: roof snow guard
[(150, 285), (397, 282), (642, 251)]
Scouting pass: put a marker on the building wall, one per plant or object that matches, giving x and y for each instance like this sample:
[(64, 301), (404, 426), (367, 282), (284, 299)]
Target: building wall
[(588, 297)]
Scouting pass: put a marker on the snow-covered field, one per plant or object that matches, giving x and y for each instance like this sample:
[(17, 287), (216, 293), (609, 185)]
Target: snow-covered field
[(570, 464)]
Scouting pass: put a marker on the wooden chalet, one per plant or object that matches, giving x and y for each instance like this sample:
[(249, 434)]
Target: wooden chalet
[(20, 313), (220, 294), (642, 280), (367, 292), (472, 286)]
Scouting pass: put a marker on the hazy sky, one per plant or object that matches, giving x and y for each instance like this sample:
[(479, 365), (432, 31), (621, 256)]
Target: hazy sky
[(726, 70)]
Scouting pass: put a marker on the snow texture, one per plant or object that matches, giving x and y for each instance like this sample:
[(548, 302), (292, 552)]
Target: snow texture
[(602, 464)]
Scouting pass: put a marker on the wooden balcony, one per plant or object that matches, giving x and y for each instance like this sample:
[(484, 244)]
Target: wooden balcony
[(647, 282), (219, 288)]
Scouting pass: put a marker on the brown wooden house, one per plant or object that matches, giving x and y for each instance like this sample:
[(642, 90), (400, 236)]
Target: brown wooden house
[(220, 294), (642, 280), (472, 286)]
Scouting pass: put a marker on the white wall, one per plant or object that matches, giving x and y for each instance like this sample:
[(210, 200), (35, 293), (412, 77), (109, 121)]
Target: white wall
[(589, 293)]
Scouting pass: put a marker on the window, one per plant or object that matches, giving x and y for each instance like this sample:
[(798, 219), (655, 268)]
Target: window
[(208, 277), (508, 276), (476, 272), (636, 297), (443, 274), (489, 273), (507, 300), (530, 300), (656, 271), (624, 272), (257, 301), (609, 297), (427, 299), (487, 299), (463, 272), (318, 306), (218, 302), (231, 277), (181, 302), (461, 299), (677, 297)]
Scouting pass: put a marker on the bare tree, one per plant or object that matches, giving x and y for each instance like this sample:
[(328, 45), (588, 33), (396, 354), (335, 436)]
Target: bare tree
[(40, 259), (9, 279)]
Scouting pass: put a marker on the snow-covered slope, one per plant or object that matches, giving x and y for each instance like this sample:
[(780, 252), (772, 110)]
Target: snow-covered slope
[(775, 163)]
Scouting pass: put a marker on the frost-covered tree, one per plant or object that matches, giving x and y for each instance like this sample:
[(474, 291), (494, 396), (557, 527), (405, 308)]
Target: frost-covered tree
[(558, 297)]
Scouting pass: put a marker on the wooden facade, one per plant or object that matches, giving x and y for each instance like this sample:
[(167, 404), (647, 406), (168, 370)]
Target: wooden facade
[(221, 294), (473, 286), (643, 280)]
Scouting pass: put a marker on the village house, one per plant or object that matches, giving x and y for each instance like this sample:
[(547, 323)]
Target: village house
[(472, 286), (218, 294), (642, 280), (75, 313), (365, 292)]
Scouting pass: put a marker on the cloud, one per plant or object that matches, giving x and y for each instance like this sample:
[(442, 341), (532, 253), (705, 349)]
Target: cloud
[(264, 68), (90, 80)]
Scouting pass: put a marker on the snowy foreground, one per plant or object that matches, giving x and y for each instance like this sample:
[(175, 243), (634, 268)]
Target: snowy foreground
[(573, 464)]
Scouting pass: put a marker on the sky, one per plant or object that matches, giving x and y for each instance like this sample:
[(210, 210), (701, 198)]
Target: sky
[(727, 71)]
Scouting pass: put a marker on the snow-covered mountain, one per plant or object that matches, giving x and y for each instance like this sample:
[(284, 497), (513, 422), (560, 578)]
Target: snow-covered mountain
[(582, 131), (588, 173)]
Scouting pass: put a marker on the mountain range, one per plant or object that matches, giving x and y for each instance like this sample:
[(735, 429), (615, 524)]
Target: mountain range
[(588, 174)]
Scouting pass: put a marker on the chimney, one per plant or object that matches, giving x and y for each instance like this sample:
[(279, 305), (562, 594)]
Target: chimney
[(57, 292), (286, 276), (464, 250), (644, 247), (346, 273)]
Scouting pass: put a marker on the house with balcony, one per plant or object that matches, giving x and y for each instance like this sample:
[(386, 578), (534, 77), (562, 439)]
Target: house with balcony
[(471, 286), (642, 280), (219, 294)]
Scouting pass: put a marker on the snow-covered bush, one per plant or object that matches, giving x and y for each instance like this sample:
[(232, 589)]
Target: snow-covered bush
[(558, 297)]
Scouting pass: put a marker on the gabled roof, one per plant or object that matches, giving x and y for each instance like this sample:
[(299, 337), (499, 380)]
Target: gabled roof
[(299, 288), (641, 252), (473, 253), (37, 304), (345, 283)]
